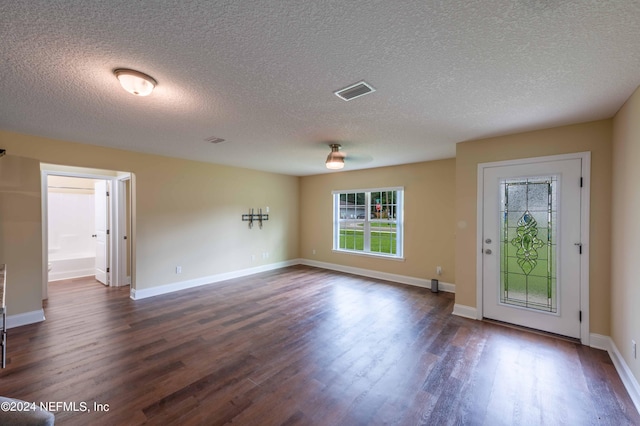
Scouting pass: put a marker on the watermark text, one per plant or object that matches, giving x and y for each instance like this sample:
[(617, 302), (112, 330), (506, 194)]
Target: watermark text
[(55, 406)]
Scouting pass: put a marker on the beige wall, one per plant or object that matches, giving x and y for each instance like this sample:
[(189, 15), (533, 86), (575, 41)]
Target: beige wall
[(187, 213), (594, 137), (197, 210), (429, 217), (625, 250), (21, 232)]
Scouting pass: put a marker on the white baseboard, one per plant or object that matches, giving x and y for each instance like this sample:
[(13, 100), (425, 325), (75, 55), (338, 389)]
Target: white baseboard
[(465, 311), (599, 341), (137, 294), (402, 279), (67, 275), (25, 318)]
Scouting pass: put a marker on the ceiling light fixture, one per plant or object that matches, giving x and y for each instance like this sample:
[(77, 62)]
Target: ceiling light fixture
[(335, 160), (135, 82)]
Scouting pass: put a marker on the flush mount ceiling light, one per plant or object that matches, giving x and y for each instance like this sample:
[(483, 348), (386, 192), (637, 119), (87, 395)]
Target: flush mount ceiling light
[(135, 82), (335, 159)]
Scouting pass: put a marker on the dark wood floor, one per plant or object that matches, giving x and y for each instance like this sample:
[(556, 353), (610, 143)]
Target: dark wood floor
[(300, 346)]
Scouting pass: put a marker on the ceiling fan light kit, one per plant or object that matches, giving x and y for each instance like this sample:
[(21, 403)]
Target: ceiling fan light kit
[(135, 82), (335, 160)]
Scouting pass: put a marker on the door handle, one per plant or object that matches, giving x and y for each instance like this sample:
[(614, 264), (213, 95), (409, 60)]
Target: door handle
[(488, 251), (488, 241)]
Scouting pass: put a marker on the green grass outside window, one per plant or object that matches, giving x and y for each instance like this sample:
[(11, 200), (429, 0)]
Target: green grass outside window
[(381, 242)]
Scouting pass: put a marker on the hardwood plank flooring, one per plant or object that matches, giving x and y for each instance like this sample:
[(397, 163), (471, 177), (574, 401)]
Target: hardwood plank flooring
[(300, 346)]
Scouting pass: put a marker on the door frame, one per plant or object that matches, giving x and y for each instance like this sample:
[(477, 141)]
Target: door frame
[(124, 216), (585, 203), (116, 210)]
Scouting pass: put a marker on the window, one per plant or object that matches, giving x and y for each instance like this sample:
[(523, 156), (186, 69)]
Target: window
[(368, 221)]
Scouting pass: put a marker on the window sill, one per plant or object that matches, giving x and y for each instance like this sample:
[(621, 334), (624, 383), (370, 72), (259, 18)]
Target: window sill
[(365, 254)]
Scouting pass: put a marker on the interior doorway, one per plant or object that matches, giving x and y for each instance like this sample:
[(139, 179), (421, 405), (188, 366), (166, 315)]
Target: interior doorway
[(87, 224), (77, 221)]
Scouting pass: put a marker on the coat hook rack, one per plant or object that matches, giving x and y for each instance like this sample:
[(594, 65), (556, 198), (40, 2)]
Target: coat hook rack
[(252, 216)]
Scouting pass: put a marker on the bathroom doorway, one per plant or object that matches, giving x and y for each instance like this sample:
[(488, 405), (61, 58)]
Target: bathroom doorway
[(77, 222), (87, 225)]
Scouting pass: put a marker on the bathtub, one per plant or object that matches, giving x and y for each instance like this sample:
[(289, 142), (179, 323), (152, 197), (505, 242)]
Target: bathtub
[(63, 266)]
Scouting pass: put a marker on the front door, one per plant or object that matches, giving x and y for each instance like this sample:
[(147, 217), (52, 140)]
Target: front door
[(531, 245)]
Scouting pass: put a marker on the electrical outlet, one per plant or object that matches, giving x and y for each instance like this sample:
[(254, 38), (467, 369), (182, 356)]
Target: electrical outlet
[(178, 269), (313, 251), (253, 257), (633, 348), (439, 270)]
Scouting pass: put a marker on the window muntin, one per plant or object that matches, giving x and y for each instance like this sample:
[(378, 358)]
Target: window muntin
[(369, 221)]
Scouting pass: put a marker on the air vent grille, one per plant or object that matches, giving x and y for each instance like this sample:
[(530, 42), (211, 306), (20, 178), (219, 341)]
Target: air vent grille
[(214, 139), (354, 91)]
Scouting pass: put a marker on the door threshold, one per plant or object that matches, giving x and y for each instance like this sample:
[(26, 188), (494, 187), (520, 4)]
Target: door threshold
[(533, 330)]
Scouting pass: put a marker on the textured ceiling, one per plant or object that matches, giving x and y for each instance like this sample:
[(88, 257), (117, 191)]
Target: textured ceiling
[(262, 74)]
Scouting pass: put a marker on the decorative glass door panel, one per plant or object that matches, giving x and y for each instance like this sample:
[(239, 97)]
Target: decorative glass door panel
[(527, 245)]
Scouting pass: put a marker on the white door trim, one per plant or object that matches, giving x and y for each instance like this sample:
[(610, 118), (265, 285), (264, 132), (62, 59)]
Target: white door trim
[(123, 211), (584, 230)]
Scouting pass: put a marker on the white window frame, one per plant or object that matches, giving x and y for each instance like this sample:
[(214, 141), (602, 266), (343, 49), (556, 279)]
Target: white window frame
[(399, 221)]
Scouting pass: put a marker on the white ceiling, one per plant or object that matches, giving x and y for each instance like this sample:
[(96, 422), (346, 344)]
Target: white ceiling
[(262, 74)]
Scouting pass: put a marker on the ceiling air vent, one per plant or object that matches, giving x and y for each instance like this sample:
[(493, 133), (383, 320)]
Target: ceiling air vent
[(214, 139), (354, 91)]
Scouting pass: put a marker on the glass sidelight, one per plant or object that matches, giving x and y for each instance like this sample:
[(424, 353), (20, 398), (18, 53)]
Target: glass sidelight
[(528, 243)]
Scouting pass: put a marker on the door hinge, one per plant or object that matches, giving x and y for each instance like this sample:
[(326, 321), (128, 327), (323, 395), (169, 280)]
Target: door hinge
[(579, 247), (108, 192), (581, 182), (108, 270), (107, 231), (580, 316)]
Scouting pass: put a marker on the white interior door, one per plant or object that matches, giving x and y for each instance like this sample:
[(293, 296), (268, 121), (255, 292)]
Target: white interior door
[(531, 245), (102, 231)]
